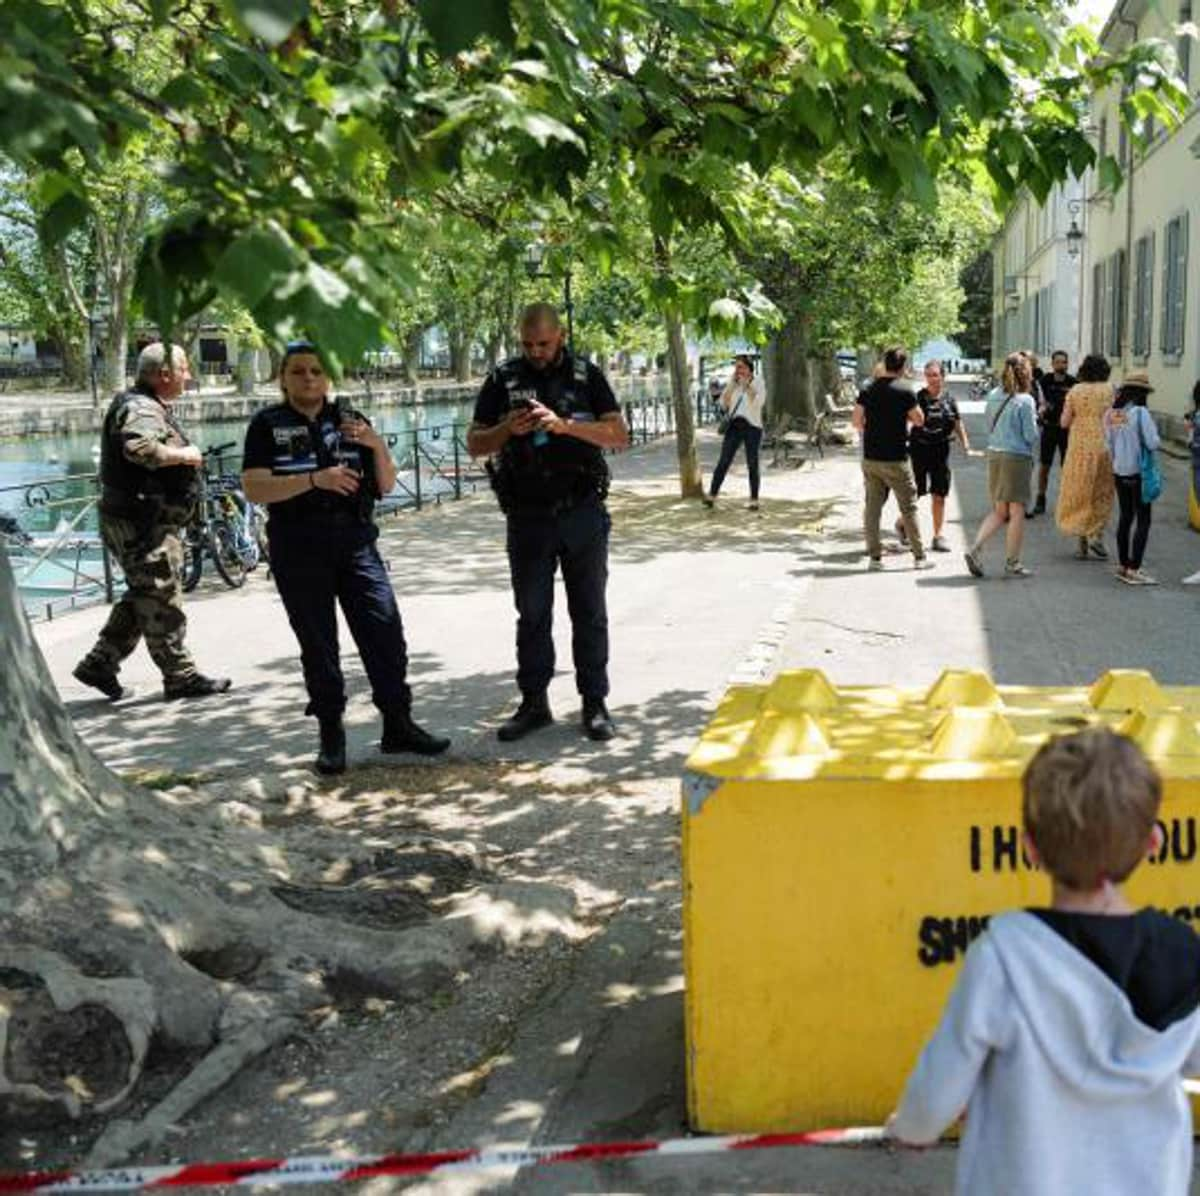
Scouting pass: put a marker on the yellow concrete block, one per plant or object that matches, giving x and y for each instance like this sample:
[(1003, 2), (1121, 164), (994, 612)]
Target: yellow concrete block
[(842, 848), (1193, 507)]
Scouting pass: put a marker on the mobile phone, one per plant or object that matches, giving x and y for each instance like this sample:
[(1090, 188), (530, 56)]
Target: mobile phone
[(520, 404)]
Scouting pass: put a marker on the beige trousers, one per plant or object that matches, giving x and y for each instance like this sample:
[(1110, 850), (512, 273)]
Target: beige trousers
[(880, 478)]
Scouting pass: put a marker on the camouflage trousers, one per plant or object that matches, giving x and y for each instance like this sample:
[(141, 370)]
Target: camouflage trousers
[(152, 605)]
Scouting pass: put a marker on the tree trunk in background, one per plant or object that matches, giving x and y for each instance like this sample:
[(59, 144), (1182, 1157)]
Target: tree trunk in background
[(247, 369), (691, 482), (493, 350), (411, 362), (788, 376), (460, 357), (116, 351), (828, 373), (74, 361)]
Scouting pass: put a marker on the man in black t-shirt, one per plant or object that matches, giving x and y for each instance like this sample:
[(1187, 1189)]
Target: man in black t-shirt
[(929, 446), (882, 414), (546, 418), (1054, 436)]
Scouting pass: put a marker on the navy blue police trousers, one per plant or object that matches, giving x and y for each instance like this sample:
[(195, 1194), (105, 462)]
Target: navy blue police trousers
[(315, 573), (575, 540)]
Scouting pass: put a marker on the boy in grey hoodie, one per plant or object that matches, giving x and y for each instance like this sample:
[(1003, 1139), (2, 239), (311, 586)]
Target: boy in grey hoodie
[(1070, 1028)]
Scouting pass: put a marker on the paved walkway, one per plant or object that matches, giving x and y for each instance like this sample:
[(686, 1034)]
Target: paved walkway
[(696, 598)]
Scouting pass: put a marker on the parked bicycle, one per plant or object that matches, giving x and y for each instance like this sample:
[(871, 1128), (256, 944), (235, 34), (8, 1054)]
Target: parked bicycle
[(226, 527)]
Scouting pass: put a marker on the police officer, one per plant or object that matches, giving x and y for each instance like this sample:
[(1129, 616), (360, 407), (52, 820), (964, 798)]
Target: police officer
[(319, 467), (545, 418), (148, 490)]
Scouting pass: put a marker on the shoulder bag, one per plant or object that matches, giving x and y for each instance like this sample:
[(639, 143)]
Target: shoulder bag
[(1152, 479), (726, 420)]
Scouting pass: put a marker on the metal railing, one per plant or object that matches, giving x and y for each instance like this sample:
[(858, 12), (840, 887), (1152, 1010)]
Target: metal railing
[(432, 464)]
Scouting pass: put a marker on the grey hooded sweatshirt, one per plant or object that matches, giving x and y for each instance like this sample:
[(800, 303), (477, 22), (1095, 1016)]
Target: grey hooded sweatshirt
[(1067, 1090)]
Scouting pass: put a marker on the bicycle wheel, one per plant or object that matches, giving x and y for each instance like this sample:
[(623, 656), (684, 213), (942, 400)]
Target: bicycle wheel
[(226, 553), (193, 557)]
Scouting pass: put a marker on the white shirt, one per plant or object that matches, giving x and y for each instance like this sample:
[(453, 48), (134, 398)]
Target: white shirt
[(753, 396)]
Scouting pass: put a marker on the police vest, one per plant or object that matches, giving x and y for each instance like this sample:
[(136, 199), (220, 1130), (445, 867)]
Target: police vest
[(130, 490), (560, 470)]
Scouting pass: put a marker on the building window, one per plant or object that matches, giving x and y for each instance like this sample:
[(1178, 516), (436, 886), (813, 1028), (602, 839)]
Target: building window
[(1174, 293), (1184, 49), (1143, 294), (1114, 303), (1098, 272)]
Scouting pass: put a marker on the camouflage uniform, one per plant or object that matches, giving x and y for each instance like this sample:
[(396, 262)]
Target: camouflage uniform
[(141, 527)]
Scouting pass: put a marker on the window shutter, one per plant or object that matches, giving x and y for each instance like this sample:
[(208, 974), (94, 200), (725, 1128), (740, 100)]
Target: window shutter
[(1181, 281), (1168, 264)]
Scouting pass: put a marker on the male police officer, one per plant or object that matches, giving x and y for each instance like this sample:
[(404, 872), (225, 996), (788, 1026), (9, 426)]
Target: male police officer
[(149, 486), (548, 415)]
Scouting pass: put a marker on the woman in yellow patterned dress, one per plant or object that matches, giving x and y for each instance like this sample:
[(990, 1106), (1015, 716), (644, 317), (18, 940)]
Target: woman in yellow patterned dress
[(1085, 493)]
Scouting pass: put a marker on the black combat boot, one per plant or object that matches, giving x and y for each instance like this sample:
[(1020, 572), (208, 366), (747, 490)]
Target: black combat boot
[(532, 714), (99, 678), (596, 721), (195, 686), (331, 759), (401, 734)]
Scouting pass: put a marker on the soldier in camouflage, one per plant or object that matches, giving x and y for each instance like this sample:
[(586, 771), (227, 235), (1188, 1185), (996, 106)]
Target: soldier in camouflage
[(148, 490)]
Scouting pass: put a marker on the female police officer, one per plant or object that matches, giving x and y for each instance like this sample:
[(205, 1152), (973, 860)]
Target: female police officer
[(319, 469)]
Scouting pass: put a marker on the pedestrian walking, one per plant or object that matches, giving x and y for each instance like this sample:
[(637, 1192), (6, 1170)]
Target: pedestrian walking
[(546, 418), (1054, 436), (1085, 493), (319, 467), (882, 414), (1071, 1028), (743, 402), (1012, 424), (1129, 433), (149, 486), (929, 448)]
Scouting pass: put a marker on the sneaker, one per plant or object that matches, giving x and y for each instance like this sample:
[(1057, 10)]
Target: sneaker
[(922, 562), (974, 564), (1097, 549), (752, 505), (708, 500), (195, 686), (99, 678), (596, 721), (1016, 569), (1144, 579), (1192, 579), (1038, 508), (1081, 550), (530, 716), (875, 564), (401, 734), (939, 544), (1127, 576), (900, 532)]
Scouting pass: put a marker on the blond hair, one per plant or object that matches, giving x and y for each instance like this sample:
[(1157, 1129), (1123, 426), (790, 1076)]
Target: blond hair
[(1090, 801), (1018, 374)]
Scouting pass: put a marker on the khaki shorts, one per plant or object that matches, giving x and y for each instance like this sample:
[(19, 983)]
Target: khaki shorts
[(1009, 478)]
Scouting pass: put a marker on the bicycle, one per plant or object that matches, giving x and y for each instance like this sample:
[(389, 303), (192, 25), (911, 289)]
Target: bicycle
[(225, 525)]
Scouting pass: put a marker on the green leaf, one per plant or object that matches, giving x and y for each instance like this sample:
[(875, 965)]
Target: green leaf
[(63, 217), (271, 20), (455, 25), (256, 263), (184, 91)]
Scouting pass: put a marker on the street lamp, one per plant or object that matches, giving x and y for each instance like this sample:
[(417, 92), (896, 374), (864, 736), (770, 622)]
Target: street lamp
[(534, 256), (1074, 233)]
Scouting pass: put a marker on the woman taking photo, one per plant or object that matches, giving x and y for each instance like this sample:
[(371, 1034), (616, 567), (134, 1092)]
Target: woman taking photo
[(1085, 493), (743, 402), (1128, 430), (319, 468), (1013, 433)]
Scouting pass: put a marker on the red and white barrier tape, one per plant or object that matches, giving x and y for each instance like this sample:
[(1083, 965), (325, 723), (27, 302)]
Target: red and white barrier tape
[(325, 1169)]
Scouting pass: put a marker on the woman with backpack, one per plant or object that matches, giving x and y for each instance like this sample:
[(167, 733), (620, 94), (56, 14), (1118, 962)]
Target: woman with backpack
[(1130, 435), (742, 402)]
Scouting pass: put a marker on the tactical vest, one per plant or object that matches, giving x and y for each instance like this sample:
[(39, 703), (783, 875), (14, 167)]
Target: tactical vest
[(529, 476), (131, 491)]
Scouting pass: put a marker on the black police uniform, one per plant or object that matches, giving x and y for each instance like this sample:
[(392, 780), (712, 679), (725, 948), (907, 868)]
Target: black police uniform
[(1054, 436), (552, 490), (323, 553), (929, 445)]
